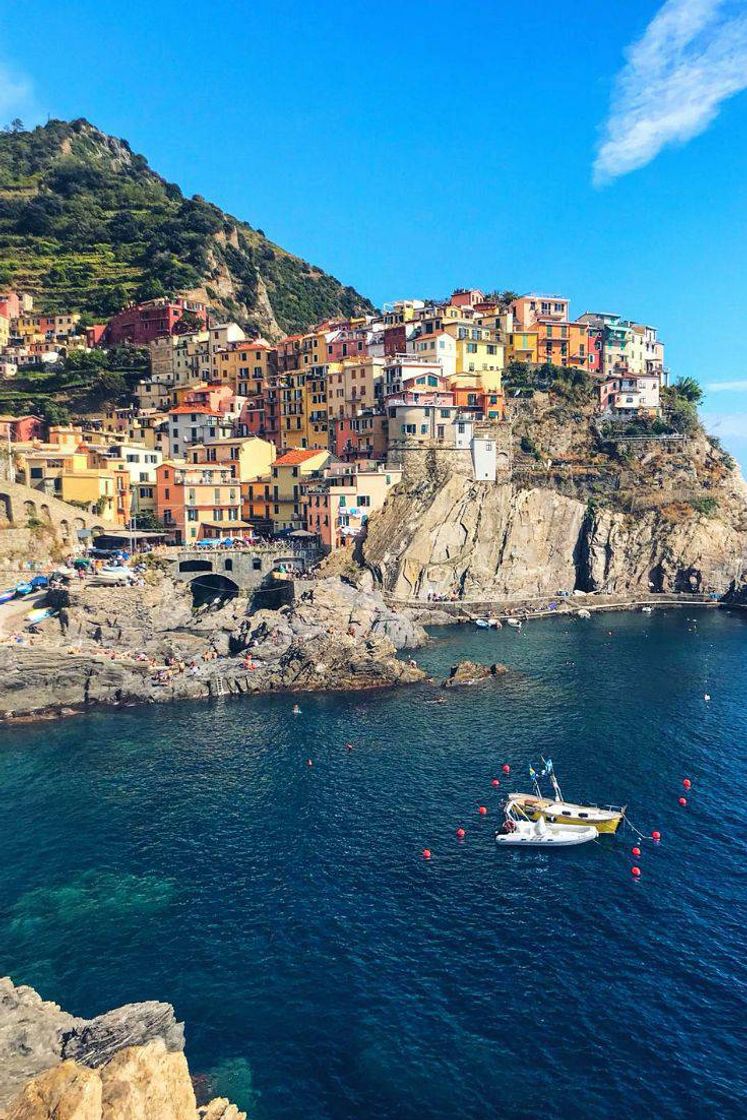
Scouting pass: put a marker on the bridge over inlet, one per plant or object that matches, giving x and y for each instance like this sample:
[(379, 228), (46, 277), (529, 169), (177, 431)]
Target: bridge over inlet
[(236, 568)]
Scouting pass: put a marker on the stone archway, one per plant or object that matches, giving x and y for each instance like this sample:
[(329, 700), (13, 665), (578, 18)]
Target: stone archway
[(196, 566), (212, 589), (78, 524), (46, 515), (64, 529), (6, 509), (29, 508)]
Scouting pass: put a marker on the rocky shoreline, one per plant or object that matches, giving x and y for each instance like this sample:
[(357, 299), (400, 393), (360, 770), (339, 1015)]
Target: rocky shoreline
[(127, 1064), (127, 646)]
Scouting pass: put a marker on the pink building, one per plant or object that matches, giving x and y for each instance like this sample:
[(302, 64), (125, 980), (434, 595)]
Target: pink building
[(10, 305), (360, 437), (346, 343), (144, 322), (467, 297), (21, 429)]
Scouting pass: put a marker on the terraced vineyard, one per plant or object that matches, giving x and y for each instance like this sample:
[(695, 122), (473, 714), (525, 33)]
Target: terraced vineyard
[(86, 224)]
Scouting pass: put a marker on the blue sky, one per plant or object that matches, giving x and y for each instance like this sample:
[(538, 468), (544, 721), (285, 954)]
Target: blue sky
[(596, 149)]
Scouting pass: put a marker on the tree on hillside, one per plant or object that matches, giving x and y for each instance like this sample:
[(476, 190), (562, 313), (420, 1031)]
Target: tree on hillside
[(689, 389)]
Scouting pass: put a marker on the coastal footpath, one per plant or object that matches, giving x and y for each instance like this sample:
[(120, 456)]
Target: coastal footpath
[(117, 646), (127, 1064)]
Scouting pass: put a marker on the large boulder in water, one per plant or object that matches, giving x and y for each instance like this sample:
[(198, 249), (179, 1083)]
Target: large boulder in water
[(471, 672)]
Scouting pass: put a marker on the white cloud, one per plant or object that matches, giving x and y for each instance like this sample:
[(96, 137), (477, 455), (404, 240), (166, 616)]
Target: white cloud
[(726, 387), (691, 57)]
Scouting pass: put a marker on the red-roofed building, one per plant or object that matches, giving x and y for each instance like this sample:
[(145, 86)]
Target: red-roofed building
[(143, 323)]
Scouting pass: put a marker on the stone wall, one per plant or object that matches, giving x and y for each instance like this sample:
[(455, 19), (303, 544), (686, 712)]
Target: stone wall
[(36, 527)]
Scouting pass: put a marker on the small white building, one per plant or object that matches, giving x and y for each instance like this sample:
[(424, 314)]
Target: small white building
[(483, 459)]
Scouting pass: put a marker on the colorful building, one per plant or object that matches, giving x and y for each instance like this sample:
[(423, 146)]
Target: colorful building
[(529, 309), (279, 500), (141, 323), (197, 501), (339, 503)]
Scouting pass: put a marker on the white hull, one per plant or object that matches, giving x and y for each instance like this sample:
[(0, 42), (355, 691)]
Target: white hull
[(542, 835)]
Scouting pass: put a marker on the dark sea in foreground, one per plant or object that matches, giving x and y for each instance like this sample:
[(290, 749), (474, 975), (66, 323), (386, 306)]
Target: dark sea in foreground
[(324, 970)]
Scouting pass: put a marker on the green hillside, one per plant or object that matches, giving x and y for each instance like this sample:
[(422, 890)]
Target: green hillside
[(86, 224)]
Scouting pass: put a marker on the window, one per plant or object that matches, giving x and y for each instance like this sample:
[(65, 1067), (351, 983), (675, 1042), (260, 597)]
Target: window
[(192, 515), (440, 431), (256, 564)]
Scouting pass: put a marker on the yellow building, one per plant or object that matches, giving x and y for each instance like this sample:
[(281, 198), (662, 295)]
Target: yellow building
[(315, 406), (105, 491), (247, 457), (478, 350), (522, 346), (245, 366), (355, 385), (4, 330), (293, 416), (279, 499)]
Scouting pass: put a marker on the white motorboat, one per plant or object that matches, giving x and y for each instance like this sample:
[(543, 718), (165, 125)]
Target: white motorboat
[(495, 624), (482, 623), (524, 833), (114, 576), (515, 622), (646, 610)]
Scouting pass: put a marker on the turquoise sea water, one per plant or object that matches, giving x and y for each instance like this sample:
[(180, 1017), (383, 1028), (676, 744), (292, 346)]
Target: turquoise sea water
[(324, 970)]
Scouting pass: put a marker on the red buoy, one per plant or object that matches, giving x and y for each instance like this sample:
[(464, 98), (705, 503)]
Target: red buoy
[(426, 853), (348, 746), (635, 872), (636, 852), (506, 768), (682, 800), (686, 783), (495, 783), (483, 811), (656, 836), (460, 834)]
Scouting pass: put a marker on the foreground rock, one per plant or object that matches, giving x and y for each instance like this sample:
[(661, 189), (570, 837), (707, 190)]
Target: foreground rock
[(36, 1035), (129, 645), (127, 1064), (472, 672)]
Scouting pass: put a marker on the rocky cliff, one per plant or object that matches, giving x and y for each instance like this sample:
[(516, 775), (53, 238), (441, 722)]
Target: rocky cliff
[(575, 512), (127, 1064), (146, 644)]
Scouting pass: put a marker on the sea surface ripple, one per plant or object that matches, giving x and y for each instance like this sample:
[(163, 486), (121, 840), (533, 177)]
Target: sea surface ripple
[(323, 968)]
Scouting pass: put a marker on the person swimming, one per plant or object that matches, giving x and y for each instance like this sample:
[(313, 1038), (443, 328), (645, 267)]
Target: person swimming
[(296, 710)]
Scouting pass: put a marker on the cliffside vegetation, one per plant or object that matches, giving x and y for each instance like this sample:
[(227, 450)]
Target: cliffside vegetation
[(85, 381), (86, 224)]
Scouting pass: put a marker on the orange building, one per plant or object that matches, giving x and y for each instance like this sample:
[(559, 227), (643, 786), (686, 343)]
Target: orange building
[(202, 500)]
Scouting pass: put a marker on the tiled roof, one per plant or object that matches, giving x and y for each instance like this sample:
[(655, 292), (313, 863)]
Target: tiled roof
[(186, 409), (293, 458)]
